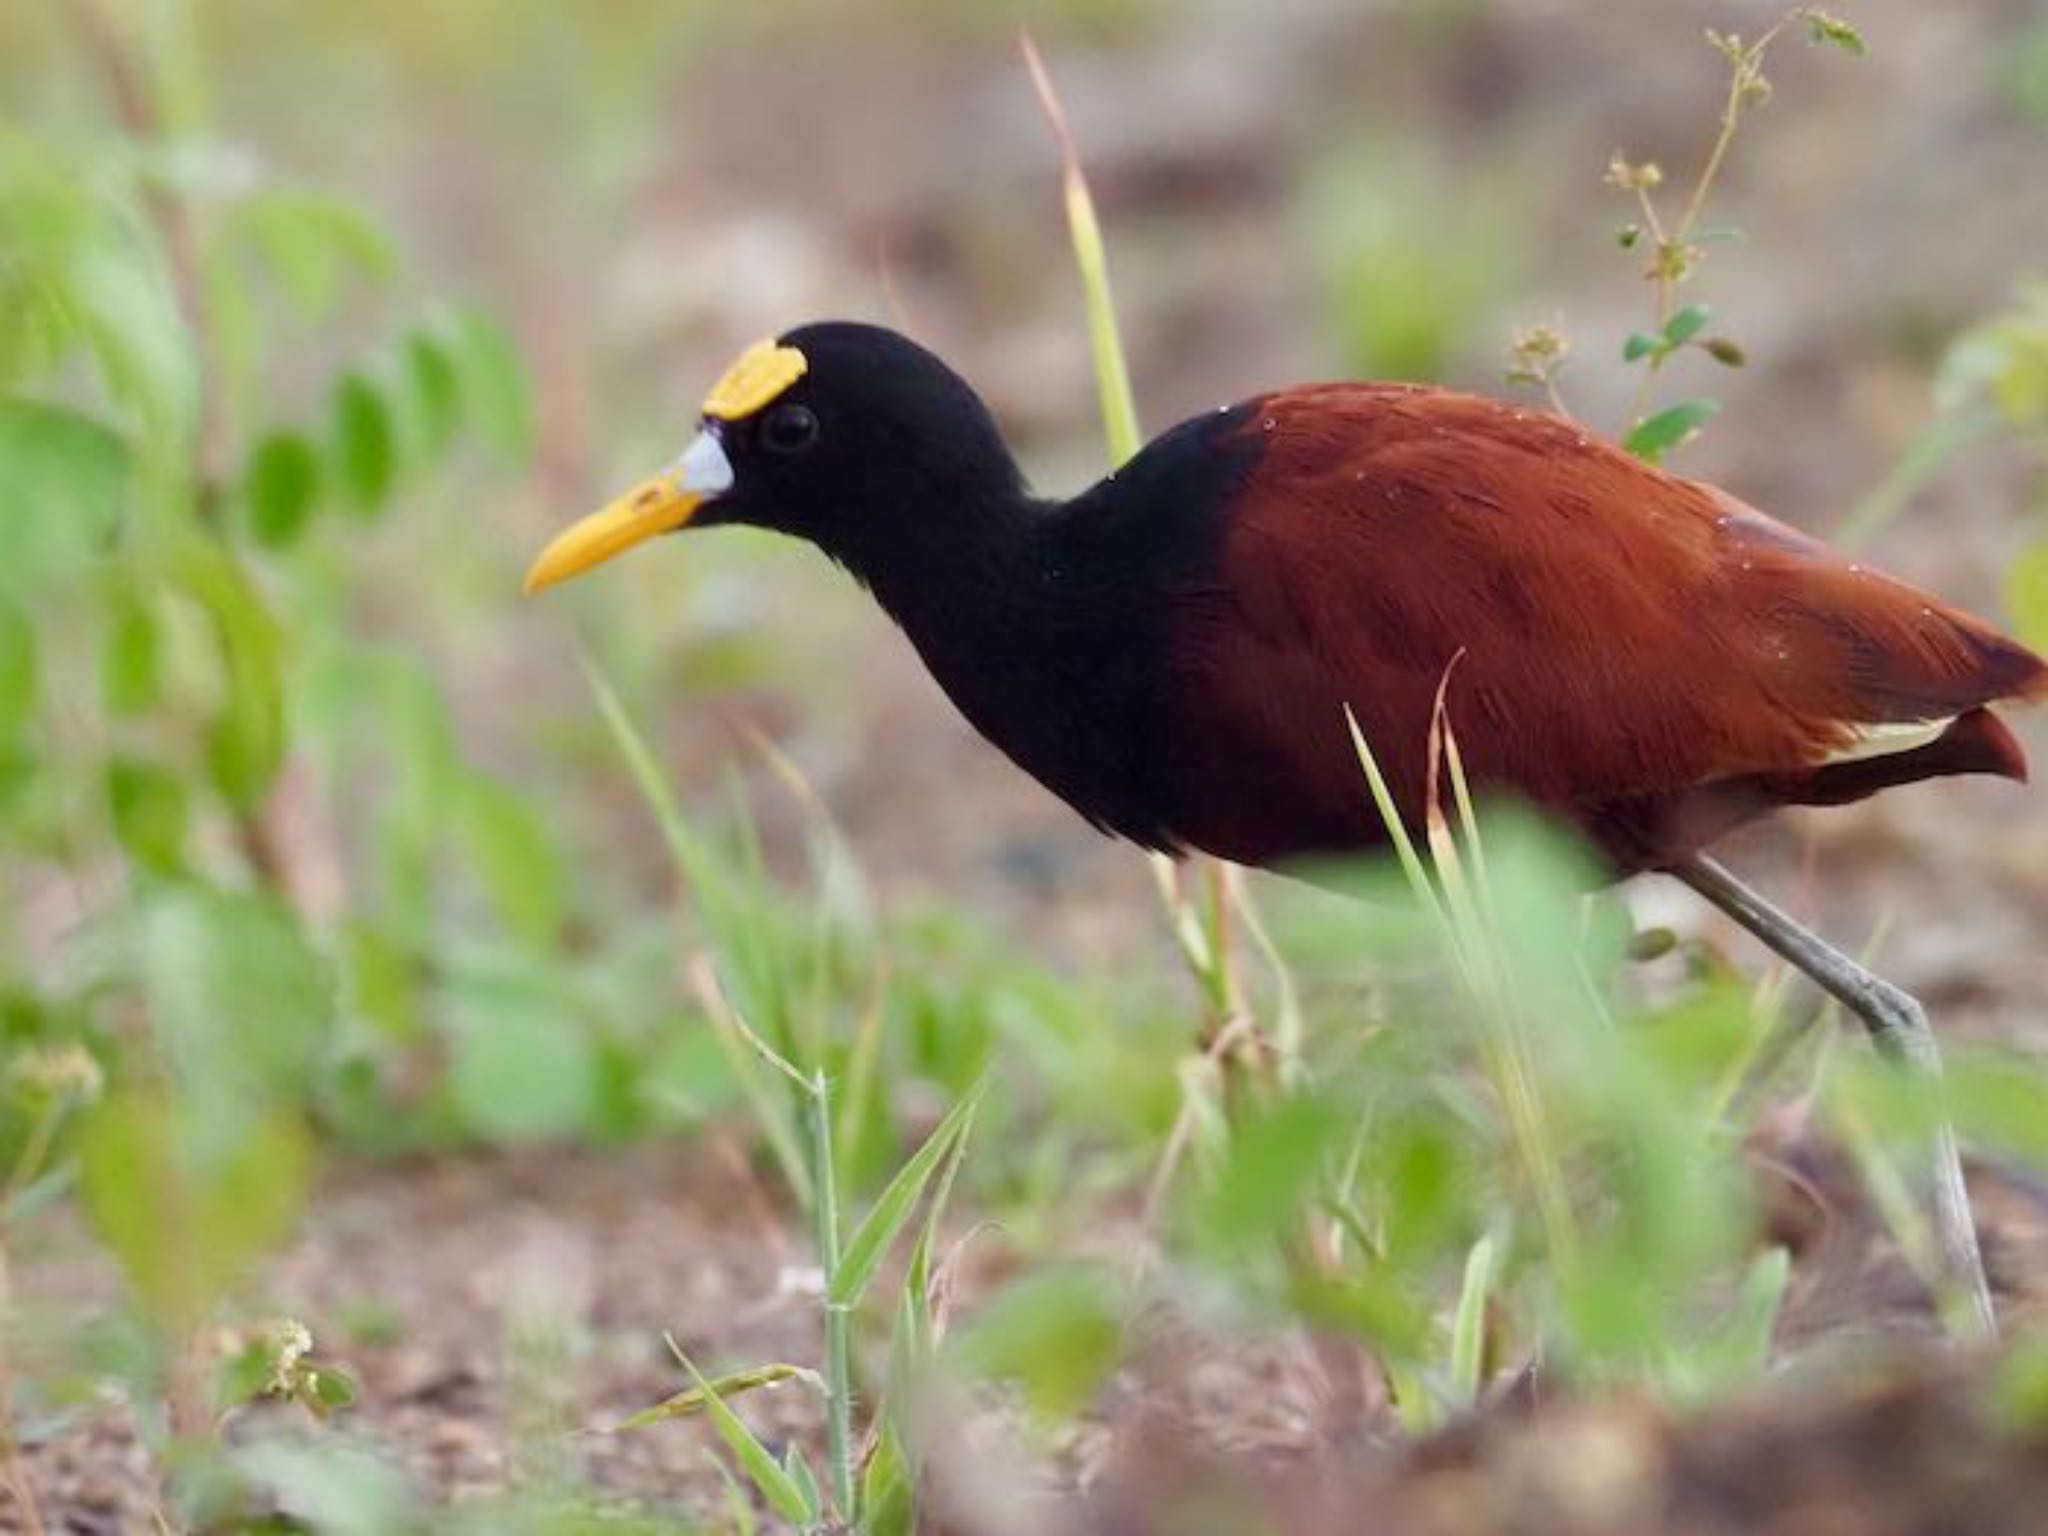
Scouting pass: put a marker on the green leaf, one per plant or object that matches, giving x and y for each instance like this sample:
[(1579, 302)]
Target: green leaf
[(525, 1068), (382, 981), (1640, 344), (331, 1389), (243, 1376), (365, 442), (2019, 1384), (280, 487), (516, 856), (243, 1003), (184, 1209), (436, 388), (2001, 1105), (64, 484), (493, 383), (245, 743), (313, 243), (19, 671), (806, 1484), (1057, 1332), (1739, 1348), (1831, 30), (1686, 324), (1654, 436), (897, 1203), (1272, 1166), (122, 287), (328, 1486), (885, 1496), (131, 661), (1468, 1329), (2026, 592), (781, 1490), (150, 812)]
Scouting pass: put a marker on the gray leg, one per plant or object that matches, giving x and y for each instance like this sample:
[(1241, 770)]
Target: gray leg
[(1899, 1028)]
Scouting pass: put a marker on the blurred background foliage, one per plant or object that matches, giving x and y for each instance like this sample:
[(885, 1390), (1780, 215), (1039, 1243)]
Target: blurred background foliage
[(321, 847)]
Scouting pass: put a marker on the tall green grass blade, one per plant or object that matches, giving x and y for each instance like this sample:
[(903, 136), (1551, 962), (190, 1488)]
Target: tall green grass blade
[(859, 1097), (838, 1340), (896, 1204), (1412, 866), (1198, 940), (1112, 376), (1468, 1326), (700, 867), (887, 1508), (750, 1058)]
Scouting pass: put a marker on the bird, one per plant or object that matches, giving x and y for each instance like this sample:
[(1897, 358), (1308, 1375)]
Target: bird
[(1181, 650)]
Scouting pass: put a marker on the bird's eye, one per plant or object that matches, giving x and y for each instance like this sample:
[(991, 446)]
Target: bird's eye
[(789, 429)]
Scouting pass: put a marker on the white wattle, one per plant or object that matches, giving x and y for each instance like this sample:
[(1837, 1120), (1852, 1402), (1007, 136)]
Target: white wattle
[(703, 469)]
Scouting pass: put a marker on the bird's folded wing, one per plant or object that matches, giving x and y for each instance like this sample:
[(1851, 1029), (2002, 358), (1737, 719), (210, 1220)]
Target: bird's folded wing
[(1615, 631)]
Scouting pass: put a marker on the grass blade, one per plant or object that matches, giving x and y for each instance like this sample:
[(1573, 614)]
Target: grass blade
[(783, 1493), (700, 866), (1397, 830), (747, 1052), (1468, 1328), (894, 1207), (695, 1400), (1112, 376)]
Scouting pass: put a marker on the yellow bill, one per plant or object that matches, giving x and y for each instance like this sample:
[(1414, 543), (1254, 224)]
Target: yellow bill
[(660, 505)]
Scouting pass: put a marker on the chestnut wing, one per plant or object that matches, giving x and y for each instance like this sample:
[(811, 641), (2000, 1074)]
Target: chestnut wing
[(1624, 640)]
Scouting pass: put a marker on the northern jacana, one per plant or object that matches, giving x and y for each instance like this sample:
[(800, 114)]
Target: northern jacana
[(1173, 651)]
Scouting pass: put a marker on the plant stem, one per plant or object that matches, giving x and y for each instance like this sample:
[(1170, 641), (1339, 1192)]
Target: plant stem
[(1204, 939), (136, 110), (1673, 249), (838, 1343)]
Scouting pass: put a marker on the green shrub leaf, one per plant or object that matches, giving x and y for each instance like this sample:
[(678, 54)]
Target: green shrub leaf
[(525, 1069), (150, 813), (1057, 1332), (64, 484), (280, 487), (493, 383), (1655, 436), (1686, 324), (436, 389), (131, 661), (365, 443), (19, 672)]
